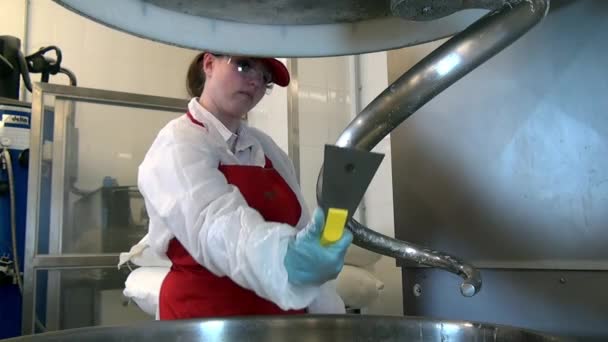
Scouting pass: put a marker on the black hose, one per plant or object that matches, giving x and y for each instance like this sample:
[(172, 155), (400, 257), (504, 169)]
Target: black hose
[(24, 70)]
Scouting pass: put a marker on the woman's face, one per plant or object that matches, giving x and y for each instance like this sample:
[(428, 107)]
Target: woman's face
[(234, 84)]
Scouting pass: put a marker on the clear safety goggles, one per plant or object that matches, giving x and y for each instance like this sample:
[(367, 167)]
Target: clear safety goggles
[(252, 69)]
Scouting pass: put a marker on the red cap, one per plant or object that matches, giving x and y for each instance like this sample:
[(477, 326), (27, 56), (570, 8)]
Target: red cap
[(280, 74)]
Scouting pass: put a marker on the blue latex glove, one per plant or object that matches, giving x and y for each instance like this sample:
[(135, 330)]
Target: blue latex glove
[(308, 262)]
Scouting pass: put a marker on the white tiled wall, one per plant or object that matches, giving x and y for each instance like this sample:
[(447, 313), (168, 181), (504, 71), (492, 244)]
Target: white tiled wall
[(12, 18), (105, 58), (270, 115), (379, 196), (324, 111)]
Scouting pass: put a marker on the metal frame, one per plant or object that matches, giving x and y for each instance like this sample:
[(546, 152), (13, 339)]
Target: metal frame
[(55, 261), (13, 102), (58, 196), (293, 117)]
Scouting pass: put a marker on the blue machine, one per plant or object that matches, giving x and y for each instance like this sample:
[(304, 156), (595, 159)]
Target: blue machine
[(15, 117), (14, 136), (14, 132)]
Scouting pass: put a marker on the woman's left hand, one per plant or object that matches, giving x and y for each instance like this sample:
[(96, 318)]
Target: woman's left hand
[(310, 263)]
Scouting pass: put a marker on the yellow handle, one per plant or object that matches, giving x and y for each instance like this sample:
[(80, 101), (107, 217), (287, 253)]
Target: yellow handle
[(334, 226)]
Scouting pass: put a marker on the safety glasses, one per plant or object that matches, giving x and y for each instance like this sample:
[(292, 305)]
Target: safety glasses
[(252, 69)]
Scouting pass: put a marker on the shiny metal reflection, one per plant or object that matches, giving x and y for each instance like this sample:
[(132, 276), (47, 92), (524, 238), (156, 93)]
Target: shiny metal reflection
[(436, 72), (299, 328)]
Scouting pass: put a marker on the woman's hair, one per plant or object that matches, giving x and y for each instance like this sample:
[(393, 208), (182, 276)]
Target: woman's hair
[(195, 79)]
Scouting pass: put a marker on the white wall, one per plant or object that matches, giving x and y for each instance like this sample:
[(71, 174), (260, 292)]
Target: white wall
[(324, 111), (270, 115), (108, 59), (379, 196), (12, 18)]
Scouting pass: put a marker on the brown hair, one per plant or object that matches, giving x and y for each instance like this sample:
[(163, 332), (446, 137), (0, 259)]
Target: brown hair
[(195, 79)]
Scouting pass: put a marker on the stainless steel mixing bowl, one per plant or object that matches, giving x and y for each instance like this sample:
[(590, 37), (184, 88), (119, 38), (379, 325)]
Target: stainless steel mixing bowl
[(298, 328)]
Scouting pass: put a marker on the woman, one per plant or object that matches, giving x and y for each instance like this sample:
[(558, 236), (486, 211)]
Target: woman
[(225, 207)]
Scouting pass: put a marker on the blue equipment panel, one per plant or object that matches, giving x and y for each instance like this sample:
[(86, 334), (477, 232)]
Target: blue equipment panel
[(14, 132)]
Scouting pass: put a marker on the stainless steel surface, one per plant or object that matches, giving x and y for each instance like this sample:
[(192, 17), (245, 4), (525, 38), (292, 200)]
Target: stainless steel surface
[(79, 261), (293, 117), (433, 9), (58, 210), (53, 261), (568, 303), (444, 66), (402, 250), (525, 161), (440, 69), (110, 97), (13, 102), (272, 27), (281, 12), (52, 301), (299, 328), (33, 210), (347, 174), (298, 12), (507, 169)]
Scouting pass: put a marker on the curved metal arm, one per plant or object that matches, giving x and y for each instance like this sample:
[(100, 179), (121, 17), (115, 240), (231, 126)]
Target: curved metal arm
[(440, 69), (397, 249)]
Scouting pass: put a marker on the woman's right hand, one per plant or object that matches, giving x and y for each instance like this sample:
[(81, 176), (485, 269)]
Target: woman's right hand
[(310, 263)]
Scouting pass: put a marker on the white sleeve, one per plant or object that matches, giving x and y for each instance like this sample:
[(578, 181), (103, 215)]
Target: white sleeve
[(181, 183)]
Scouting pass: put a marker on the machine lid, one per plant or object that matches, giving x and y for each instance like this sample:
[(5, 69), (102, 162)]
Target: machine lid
[(281, 28)]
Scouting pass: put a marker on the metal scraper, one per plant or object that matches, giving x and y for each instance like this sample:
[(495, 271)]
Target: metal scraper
[(347, 173)]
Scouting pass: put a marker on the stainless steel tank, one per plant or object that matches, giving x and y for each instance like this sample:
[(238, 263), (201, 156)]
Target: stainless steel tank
[(508, 170), (300, 328)]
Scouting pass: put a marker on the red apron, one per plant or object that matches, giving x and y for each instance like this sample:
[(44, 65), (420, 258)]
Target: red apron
[(190, 290)]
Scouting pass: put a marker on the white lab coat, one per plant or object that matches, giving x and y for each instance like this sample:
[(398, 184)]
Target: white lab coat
[(187, 197)]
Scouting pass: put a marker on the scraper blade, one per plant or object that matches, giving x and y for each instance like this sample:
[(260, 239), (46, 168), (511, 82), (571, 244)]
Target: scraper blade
[(347, 173)]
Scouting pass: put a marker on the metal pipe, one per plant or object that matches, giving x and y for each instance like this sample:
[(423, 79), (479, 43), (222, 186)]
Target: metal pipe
[(440, 69), (397, 249)]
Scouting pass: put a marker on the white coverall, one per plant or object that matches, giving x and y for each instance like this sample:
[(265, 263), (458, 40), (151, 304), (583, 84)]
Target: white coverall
[(188, 198)]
